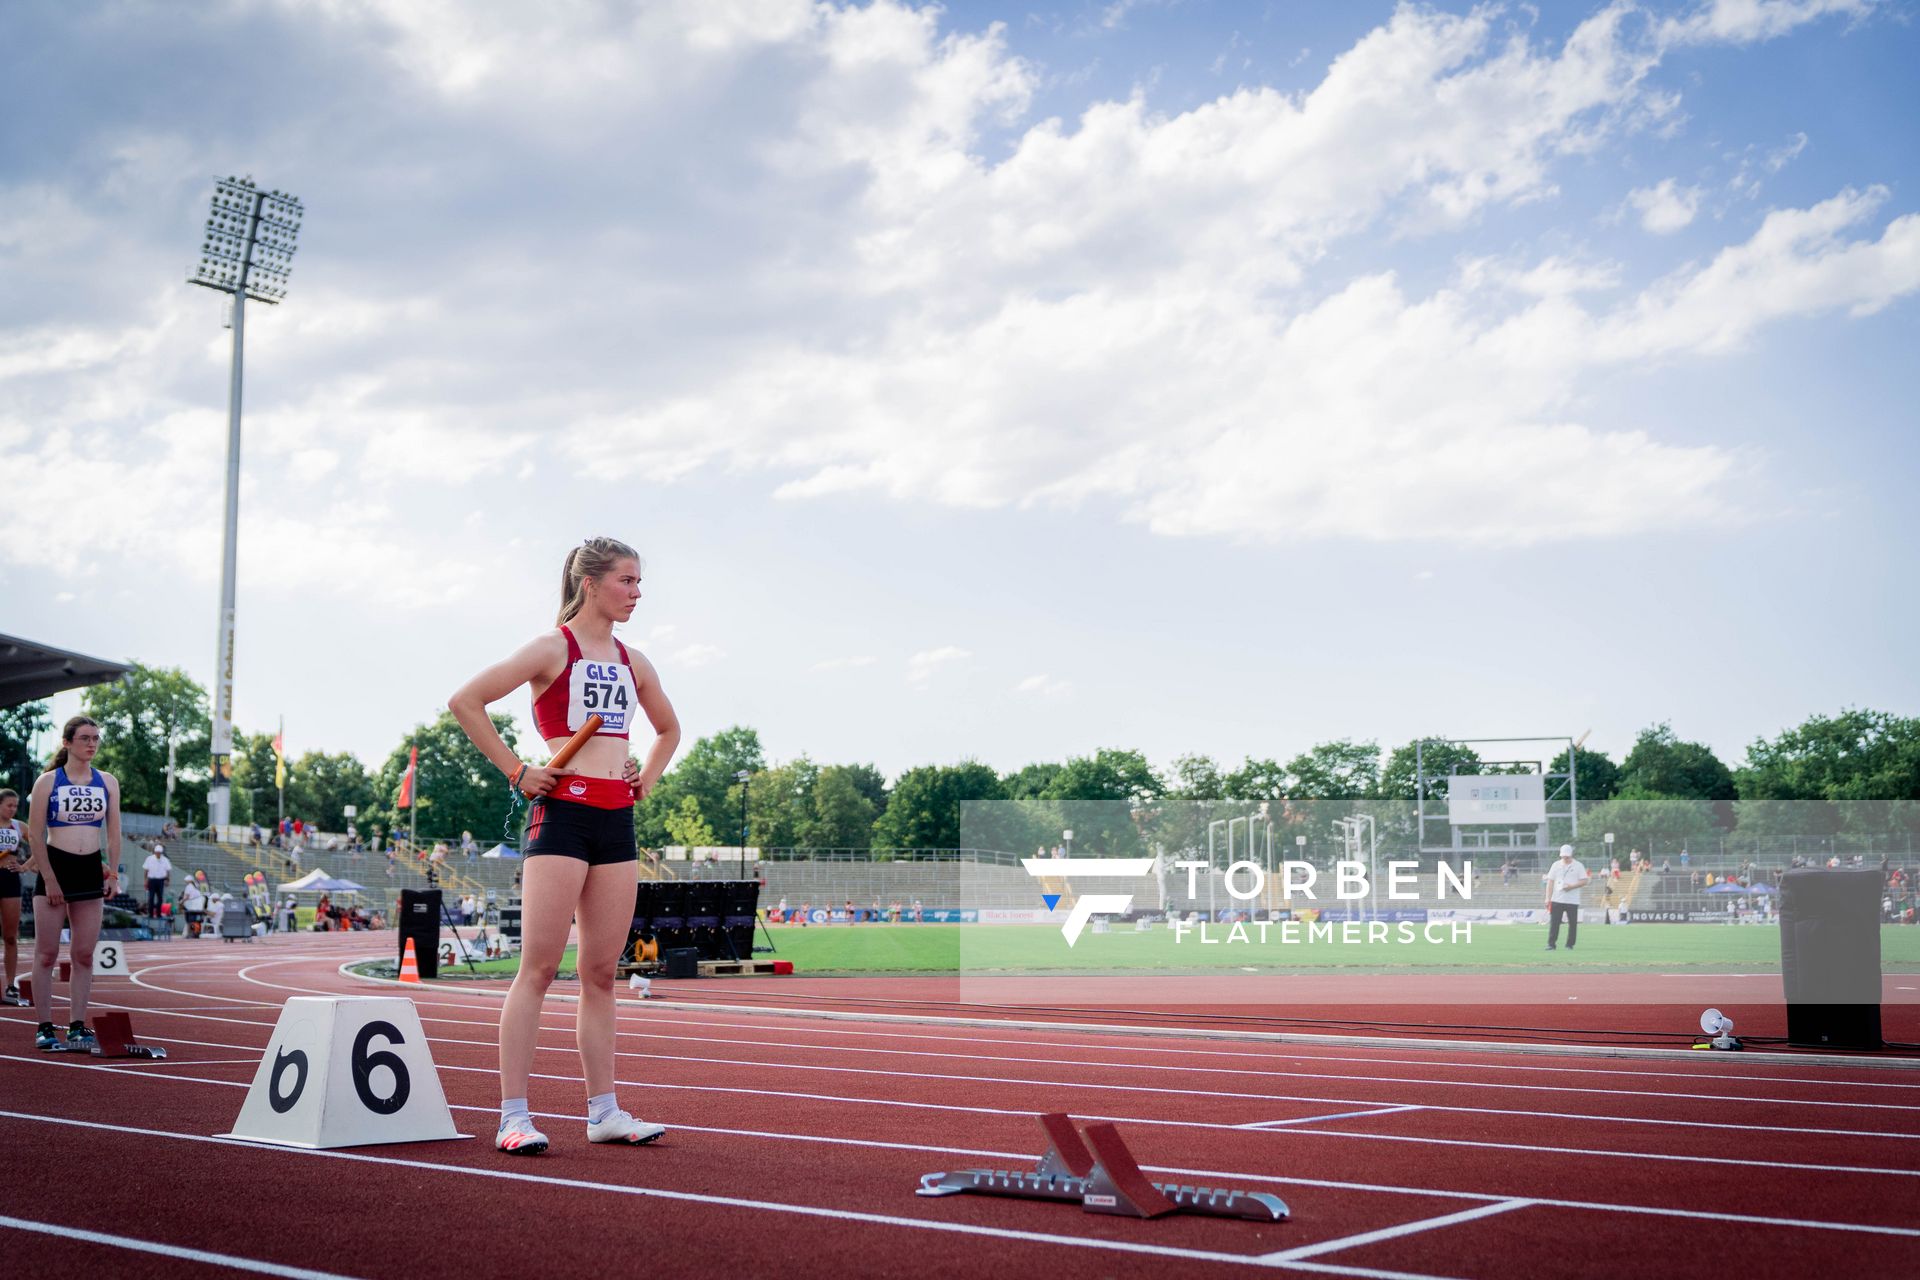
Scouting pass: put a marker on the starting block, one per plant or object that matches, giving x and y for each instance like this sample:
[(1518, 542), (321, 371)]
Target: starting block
[(114, 1032), (1101, 1175)]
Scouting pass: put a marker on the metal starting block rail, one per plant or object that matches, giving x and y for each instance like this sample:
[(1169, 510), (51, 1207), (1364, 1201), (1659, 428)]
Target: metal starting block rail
[(1103, 1179)]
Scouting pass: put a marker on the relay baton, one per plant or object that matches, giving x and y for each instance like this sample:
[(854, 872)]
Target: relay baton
[(572, 746)]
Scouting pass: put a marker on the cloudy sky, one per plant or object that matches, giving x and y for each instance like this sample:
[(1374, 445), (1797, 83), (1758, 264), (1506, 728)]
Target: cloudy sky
[(992, 380)]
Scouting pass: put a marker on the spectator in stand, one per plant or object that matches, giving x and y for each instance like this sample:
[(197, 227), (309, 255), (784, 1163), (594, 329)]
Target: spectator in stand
[(253, 835), (170, 831), (159, 871), (1613, 872), (193, 903), (1685, 859), (1506, 872), (1693, 879), (469, 848)]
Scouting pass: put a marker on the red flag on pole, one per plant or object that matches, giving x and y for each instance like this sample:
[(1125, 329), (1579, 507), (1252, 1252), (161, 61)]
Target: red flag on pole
[(406, 781)]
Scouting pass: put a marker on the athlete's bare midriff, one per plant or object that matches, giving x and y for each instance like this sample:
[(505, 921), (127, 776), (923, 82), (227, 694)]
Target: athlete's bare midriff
[(602, 757), (84, 839)]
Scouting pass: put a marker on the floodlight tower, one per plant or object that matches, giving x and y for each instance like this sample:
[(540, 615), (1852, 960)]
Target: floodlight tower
[(248, 253)]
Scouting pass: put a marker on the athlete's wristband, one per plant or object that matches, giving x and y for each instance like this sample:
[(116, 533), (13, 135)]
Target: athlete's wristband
[(515, 784)]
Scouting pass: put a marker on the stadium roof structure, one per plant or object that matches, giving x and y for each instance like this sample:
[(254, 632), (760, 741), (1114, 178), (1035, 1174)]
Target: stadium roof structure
[(29, 671)]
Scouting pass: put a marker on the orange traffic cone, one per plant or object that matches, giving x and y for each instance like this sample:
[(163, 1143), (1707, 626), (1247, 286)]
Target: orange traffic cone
[(409, 964)]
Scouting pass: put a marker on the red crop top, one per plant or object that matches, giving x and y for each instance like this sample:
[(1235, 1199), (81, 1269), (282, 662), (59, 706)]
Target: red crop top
[(587, 687)]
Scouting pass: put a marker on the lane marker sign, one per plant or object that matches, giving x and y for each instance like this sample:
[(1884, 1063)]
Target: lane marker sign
[(346, 1071)]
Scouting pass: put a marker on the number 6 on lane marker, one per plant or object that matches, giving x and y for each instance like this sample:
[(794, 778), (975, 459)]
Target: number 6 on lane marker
[(346, 1071)]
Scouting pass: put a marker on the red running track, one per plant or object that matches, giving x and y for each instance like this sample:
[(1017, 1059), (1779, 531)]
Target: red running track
[(794, 1146)]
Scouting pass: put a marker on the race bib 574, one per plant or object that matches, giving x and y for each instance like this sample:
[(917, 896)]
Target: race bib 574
[(604, 689)]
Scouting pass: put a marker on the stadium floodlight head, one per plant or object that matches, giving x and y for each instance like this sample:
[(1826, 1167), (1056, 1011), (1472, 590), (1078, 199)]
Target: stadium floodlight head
[(250, 241)]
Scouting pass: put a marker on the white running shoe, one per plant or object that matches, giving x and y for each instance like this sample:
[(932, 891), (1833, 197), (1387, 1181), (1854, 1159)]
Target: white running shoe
[(520, 1138), (621, 1127)]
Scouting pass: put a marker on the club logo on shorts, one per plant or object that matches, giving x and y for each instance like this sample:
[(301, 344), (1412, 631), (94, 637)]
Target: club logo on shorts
[(577, 788)]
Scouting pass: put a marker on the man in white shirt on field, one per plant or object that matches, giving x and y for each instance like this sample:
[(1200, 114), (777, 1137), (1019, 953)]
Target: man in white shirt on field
[(159, 869), (1563, 881)]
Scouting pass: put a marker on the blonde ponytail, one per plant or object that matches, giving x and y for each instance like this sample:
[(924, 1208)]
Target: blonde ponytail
[(591, 559)]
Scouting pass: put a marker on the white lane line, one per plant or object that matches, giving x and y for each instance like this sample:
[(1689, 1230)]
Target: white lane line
[(661, 1010), (1054, 1082), (203, 1256), (1745, 1099), (1394, 1233), (762, 1092), (1144, 1030), (1230, 1176), (1338, 1115), (733, 1202)]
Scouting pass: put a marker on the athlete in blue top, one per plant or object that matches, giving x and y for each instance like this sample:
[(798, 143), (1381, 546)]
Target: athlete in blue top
[(73, 829)]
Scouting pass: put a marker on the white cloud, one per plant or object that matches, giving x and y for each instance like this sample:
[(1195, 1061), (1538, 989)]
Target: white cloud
[(838, 285), (1044, 685), (1665, 208), (1747, 21), (699, 655), (921, 666)]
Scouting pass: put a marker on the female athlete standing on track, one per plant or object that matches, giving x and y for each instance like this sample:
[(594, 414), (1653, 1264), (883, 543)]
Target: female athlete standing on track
[(13, 856), (580, 847), (74, 829)]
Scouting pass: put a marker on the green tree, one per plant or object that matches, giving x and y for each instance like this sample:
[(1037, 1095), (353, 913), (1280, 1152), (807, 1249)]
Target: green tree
[(1030, 781), (705, 772), (139, 714), (1660, 764), (843, 811), (457, 788), (1198, 777), (1107, 774), (923, 809), (1257, 780), (1596, 776), (1335, 770), (254, 798), (1440, 759), (688, 826), (321, 786), (779, 805), (1856, 755), (19, 727), (1656, 825)]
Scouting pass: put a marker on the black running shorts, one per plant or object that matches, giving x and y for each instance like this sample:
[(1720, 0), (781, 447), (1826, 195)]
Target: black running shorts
[(595, 836), (82, 876)]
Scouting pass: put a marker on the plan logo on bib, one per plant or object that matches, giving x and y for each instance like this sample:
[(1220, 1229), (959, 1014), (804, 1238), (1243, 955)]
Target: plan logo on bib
[(1088, 905)]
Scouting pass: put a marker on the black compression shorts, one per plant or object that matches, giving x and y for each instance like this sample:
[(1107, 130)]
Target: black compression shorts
[(82, 876), (595, 836)]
